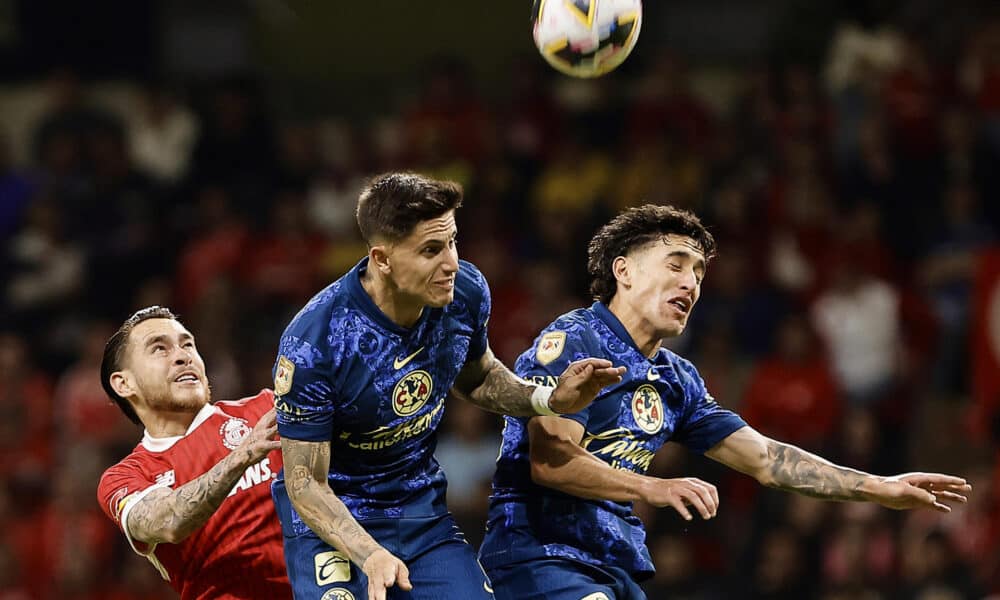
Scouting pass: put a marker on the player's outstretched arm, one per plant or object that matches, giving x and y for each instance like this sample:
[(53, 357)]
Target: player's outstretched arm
[(306, 467), (559, 461), (165, 515), (489, 384), (786, 467)]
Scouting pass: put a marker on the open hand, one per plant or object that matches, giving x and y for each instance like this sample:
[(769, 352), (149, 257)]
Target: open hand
[(581, 382), (262, 438), (921, 490)]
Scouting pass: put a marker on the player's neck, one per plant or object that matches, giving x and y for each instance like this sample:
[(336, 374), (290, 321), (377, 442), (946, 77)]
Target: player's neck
[(643, 335), (168, 423), (400, 309)]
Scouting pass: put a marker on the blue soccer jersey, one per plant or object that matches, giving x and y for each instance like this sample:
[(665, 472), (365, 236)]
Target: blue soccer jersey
[(347, 375), (659, 399)]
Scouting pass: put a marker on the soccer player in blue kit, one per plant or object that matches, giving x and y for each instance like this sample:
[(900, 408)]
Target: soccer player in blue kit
[(360, 382), (560, 524)]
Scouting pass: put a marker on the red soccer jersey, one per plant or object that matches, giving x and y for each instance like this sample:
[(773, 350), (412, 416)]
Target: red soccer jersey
[(237, 553)]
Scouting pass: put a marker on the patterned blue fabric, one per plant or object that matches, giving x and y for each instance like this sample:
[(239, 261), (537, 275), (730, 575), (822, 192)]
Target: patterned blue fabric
[(376, 391), (440, 561), (658, 400), (563, 579)]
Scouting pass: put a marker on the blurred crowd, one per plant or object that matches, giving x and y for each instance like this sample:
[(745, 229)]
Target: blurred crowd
[(855, 208)]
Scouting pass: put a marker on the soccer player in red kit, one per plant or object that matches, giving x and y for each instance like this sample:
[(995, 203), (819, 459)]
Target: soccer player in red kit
[(194, 497)]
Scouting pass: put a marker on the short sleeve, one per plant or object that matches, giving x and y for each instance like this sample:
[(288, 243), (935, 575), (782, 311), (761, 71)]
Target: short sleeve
[(303, 388), (120, 488), (705, 423), (554, 349)]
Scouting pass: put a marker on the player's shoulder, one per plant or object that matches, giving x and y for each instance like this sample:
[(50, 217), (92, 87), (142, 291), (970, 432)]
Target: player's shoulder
[(312, 333), (255, 405), (469, 278), (472, 294), (138, 462), (687, 372), (676, 360), (569, 335), (316, 315), (577, 325)]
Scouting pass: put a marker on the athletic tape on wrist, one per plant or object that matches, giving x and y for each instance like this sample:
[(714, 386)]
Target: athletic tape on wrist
[(540, 400)]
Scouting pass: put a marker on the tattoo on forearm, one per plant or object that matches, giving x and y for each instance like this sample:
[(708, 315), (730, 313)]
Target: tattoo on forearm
[(795, 470), (306, 466), (171, 515), (503, 392)]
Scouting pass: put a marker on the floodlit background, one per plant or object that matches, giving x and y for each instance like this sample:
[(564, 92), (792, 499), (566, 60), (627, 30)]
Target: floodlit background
[(207, 156)]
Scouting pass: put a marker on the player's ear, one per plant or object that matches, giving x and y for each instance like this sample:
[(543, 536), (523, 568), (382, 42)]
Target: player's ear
[(621, 271), (123, 384), (378, 256)]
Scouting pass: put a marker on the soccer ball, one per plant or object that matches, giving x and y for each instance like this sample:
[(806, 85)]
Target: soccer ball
[(586, 38)]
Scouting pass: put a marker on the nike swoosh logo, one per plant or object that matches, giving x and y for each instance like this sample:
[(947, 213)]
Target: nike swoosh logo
[(399, 364), (487, 587), (652, 374)]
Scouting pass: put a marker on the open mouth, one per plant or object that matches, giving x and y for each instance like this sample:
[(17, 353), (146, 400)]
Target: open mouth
[(187, 377), (682, 304)]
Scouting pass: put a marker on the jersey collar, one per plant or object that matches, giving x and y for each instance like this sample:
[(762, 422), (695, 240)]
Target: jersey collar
[(368, 306), (154, 444), (604, 314)]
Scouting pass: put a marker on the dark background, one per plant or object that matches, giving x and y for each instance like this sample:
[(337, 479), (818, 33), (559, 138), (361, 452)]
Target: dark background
[(207, 156)]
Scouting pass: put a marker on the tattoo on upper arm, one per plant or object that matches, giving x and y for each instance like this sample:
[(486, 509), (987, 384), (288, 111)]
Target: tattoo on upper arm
[(142, 520), (171, 515), (793, 469), (306, 460), (298, 478)]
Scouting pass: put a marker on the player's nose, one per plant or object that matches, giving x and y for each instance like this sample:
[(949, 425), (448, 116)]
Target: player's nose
[(688, 280), (450, 263), (182, 356)]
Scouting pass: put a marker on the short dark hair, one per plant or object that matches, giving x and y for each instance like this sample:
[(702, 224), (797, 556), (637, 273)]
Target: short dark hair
[(633, 229), (392, 204), (114, 353)]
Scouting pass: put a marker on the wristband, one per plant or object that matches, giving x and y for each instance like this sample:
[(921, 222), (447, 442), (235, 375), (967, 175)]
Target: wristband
[(540, 400)]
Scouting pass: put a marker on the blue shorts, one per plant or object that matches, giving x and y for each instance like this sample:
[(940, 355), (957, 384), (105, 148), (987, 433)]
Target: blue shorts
[(556, 578), (440, 561)]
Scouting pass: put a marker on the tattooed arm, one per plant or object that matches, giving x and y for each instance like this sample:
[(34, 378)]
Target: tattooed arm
[(786, 467), (166, 515), (487, 383), (307, 465)]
